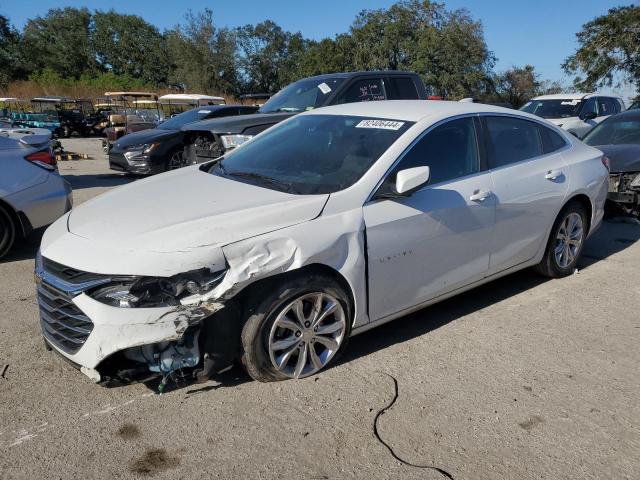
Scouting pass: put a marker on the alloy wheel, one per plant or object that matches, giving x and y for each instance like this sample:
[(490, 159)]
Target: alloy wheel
[(307, 334), (569, 239)]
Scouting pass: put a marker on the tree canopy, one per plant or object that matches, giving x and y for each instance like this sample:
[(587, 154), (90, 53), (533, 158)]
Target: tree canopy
[(446, 47), (608, 45)]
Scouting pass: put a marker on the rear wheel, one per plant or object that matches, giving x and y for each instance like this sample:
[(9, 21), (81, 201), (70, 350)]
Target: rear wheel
[(7, 231), (296, 330), (565, 242)]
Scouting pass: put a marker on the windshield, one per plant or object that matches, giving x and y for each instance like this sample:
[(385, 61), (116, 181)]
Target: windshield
[(143, 115), (194, 115), (615, 131), (312, 154), (302, 95), (553, 108)]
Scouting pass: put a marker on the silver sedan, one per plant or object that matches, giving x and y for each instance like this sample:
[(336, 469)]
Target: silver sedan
[(32, 192)]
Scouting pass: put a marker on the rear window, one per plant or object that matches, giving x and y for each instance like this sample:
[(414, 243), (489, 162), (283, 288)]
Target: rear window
[(511, 140), (551, 141), (399, 88)]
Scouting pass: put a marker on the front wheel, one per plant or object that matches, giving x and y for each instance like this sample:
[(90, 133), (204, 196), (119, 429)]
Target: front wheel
[(176, 160), (106, 147), (565, 242), (296, 330)]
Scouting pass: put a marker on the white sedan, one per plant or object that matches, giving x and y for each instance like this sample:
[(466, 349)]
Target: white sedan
[(324, 226)]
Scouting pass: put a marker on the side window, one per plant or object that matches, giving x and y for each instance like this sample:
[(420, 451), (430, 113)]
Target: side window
[(450, 150), (511, 140), (551, 141), (607, 106), (589, 106), (363, 91), (401, 88)]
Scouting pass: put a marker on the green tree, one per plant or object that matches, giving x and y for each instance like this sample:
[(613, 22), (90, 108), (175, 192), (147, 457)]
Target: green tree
[(10, 57), (607, 45), (446, 47), (60, 41), (266, 54), (128, 45), (518, 85), (203, 56)]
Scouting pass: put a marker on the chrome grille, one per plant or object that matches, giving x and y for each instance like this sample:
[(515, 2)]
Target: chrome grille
[(63, 323)]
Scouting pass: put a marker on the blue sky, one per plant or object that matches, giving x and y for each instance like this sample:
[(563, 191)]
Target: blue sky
[(540, 32)]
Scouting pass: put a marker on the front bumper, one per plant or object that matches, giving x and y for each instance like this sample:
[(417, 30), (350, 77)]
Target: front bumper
[(87, 332), (141, 165)]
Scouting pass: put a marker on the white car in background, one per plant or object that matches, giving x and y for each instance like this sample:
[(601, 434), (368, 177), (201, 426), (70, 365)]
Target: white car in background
[(326, 225), (576, 112)]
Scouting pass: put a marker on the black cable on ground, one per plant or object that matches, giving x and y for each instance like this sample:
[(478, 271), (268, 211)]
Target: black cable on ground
[(377, 434)]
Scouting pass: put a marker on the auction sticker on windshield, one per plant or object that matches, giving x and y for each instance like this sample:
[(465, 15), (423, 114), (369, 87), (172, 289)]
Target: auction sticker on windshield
[(324, 88), (384, 124)]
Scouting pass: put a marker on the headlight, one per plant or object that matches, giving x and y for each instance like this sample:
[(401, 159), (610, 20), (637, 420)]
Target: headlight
[(149, 292), (233, 141), (139, 150)]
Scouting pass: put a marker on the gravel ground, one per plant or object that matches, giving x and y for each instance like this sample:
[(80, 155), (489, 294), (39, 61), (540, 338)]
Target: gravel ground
[(521, 378)]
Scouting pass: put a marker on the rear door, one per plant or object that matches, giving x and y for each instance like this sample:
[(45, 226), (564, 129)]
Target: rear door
[(401, 88), (529, 183)]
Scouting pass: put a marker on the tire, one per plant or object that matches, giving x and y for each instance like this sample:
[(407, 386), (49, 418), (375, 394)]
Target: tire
[(66, 131), (105, 146), (7, 231), (269, 338), (565, 243)]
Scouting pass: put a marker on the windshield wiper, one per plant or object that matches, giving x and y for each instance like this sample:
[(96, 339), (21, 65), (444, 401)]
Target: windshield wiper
[(285, 186)]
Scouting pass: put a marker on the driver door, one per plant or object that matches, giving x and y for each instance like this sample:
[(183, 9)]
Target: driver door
[(437, 239)]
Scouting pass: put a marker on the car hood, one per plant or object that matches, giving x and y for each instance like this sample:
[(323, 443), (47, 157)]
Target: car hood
[(145, 136), (188, 209), (622, 158), (237, 124)]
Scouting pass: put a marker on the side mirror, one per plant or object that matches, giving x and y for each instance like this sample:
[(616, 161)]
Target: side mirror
[(589, 116), (411, 179)]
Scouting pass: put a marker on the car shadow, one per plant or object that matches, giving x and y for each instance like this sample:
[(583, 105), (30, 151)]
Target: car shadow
[(615, 235), (79, 182)]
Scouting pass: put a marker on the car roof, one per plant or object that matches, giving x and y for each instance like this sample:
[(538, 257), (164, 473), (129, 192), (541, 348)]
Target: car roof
[(572, 96), (412, 110), (186, 97), (373, 73), (630, 114)]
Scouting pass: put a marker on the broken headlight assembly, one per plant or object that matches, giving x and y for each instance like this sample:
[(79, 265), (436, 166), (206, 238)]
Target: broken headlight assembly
[(150, 292), (233, 141)]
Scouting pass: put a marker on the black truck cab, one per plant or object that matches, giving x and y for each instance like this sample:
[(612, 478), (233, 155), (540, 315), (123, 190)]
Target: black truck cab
[(209, 139)]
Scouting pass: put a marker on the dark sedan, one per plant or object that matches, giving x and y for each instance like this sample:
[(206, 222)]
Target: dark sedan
[(619, 138), (160, 149)]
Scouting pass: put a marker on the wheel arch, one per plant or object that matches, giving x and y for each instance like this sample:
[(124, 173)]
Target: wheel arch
[(23, 227), (586, 202), (312, 268)]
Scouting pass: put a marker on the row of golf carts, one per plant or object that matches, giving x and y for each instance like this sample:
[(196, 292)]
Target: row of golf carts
[(112, 116)]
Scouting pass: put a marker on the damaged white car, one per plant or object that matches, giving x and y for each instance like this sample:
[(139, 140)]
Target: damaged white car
[(328, 224)]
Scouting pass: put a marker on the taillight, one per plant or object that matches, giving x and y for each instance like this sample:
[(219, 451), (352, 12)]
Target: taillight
[(606, 163), (44, 159)]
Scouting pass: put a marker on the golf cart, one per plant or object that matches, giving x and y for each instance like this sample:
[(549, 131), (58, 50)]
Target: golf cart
[(71, 114), (9, 106), (130, 112), (175, 103)]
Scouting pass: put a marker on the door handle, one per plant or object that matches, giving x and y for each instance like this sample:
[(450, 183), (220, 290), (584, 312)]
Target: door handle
[(480, 195), (553, 174)]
